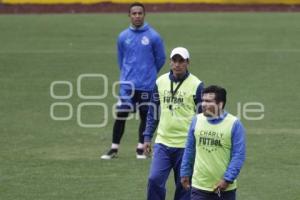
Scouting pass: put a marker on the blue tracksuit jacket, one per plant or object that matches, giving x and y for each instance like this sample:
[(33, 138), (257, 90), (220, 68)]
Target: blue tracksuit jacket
[(141, 55)]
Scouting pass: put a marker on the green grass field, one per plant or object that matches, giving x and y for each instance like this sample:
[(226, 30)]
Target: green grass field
[(254, 55)]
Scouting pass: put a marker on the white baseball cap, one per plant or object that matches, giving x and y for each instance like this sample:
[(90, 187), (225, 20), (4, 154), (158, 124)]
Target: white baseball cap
[(183, 52)]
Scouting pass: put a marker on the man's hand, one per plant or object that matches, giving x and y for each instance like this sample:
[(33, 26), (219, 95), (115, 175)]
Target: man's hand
[(222, 185), (185, 182), (147, 148)]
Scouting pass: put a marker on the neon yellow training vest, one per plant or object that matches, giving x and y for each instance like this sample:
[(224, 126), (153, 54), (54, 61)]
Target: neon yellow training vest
[(176, 115), (213, 147)]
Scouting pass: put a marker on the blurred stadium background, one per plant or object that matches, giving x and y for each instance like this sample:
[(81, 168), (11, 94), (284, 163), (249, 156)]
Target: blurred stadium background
[(255, 55)]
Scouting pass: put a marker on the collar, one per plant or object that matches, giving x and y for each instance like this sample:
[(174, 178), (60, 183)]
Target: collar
[(215, 120), (172, 77), (140, 29)]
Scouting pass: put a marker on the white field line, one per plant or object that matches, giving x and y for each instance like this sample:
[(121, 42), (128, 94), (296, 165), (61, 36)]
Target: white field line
[(270, 131), (55, 51)]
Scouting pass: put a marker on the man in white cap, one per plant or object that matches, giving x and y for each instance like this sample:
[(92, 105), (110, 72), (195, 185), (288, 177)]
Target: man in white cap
[(177, 98)]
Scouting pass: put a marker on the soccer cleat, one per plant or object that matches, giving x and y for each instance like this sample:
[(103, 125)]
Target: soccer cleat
[(140, 154), (112, 153)]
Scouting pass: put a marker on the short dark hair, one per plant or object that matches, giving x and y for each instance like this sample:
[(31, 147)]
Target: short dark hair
[(137, 4), (218, 91)]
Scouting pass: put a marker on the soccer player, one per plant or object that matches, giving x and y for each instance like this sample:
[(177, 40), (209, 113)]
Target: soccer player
[(215, 150), (141, 55), (176, 95)]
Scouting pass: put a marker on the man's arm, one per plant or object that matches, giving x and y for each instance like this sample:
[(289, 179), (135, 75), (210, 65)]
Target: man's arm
[(188, 158), (120, 52), (159, 53), (238, 152), (152, 120), (198, 97)]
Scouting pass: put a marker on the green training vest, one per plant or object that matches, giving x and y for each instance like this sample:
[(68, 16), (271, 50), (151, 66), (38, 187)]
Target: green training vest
[(176, 114), (213, 148)]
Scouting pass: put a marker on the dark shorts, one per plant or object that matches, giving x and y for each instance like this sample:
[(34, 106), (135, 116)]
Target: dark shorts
[(198, 194), (133, 100)]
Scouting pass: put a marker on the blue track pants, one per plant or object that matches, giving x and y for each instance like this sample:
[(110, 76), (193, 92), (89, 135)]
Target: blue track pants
[(164, 160)]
